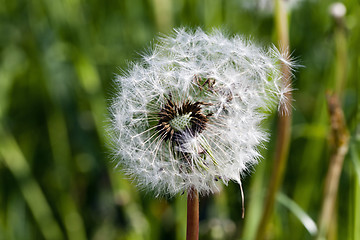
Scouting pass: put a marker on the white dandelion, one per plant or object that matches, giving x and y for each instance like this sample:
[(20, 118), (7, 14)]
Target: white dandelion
[(189, 114)]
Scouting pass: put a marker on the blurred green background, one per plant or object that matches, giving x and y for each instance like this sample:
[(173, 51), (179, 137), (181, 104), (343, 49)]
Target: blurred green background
[(57, 63)]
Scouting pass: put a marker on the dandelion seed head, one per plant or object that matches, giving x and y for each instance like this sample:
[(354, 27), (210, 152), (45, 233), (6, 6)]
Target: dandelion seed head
[(189, 113)]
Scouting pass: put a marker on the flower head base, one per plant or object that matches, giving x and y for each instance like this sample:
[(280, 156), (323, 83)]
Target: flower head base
[(181, 122), (190, 113), (176, 120)]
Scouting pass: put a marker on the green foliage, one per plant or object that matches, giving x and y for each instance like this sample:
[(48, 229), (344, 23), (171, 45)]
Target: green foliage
[(57, 178)]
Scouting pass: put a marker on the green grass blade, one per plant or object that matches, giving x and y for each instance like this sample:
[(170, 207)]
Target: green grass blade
[(303, 217), (33, 195)]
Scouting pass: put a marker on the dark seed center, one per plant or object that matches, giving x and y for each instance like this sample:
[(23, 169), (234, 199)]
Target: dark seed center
[(179, 119)]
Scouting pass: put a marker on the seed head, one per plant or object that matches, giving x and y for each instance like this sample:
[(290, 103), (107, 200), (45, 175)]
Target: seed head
[(189, 113)]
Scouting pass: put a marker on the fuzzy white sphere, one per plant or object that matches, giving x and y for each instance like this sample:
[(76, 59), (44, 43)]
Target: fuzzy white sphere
[(189, 113)]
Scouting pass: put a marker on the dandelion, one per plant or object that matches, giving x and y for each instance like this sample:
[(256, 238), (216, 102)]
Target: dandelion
[(188, 115)]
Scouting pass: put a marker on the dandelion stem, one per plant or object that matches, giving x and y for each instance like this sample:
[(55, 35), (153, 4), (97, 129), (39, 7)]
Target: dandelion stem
[(279, 165), (192, 227), (284, 124)]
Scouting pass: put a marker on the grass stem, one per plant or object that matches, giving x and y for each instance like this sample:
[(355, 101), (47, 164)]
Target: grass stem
[(340, 137), (284, 124)]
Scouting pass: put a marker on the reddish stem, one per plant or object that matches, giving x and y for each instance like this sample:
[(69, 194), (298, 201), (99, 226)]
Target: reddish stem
[(192, 227)]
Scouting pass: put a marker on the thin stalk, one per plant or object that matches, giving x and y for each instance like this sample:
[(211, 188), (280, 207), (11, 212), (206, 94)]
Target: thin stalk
[(192, 227), (164, 22), (284, 124), (341, 62), (340, 137)]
